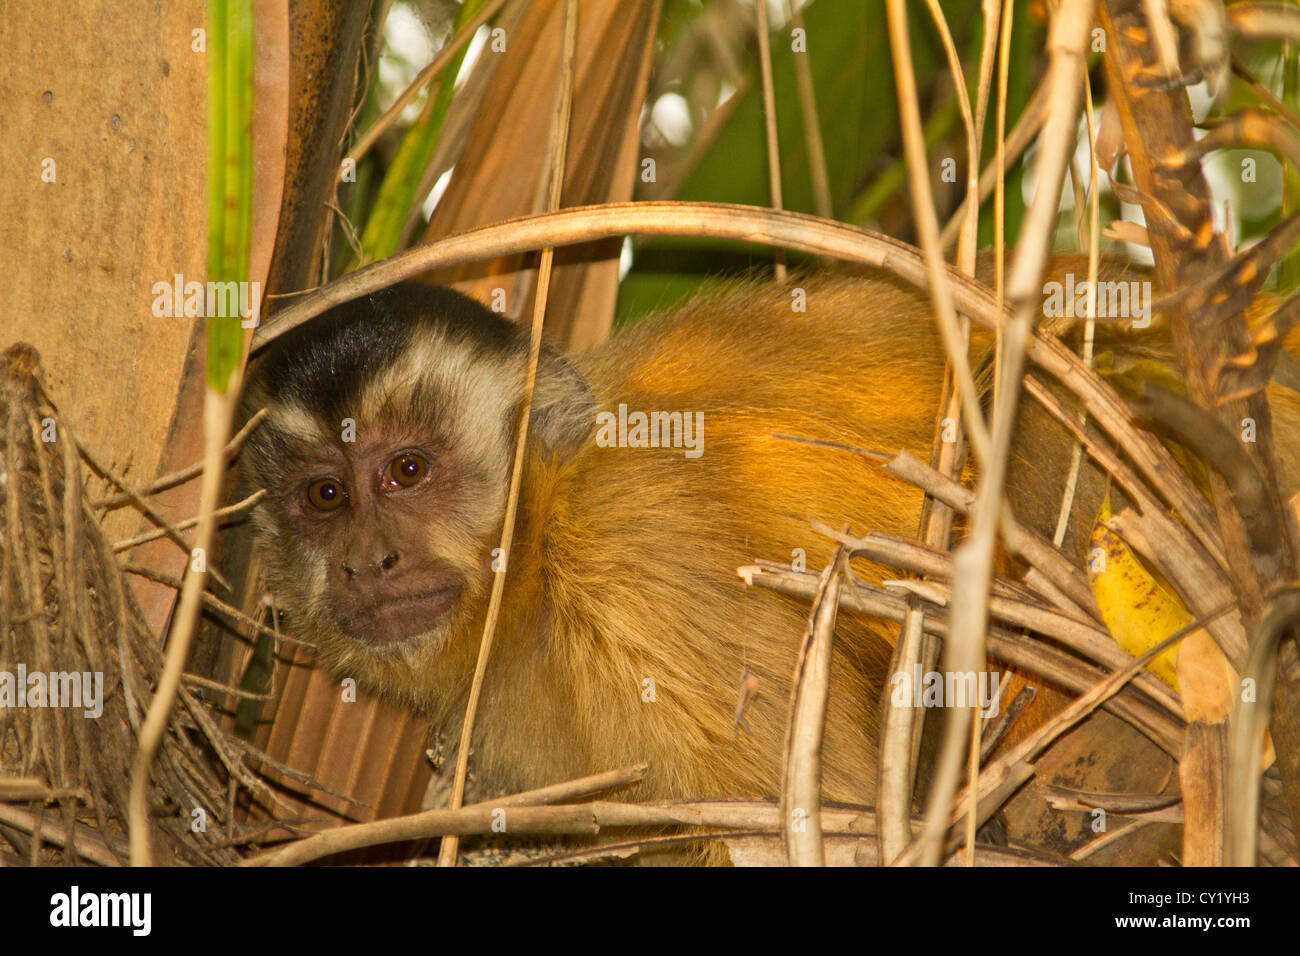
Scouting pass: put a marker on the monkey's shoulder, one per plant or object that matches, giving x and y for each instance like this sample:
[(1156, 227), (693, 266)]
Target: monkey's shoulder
[(816, 329)]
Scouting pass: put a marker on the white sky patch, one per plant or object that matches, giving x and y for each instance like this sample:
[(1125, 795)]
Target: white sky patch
[(473, 52), (775, 12), (1083, 160), (625, 258), (1223, 171), (407, 48), (1029, 186), (1132, 213), (435, 194), (1199, 97), (671, 116)]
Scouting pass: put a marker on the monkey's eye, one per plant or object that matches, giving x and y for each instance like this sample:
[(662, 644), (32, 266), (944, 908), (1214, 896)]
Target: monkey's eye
[(325, 494), (406, 470)]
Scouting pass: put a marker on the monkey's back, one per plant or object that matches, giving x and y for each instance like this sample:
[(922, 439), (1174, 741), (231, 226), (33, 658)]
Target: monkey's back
[(642, 544)]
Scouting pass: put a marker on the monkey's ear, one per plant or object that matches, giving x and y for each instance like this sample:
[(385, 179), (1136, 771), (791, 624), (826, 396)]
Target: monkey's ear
[(564, 409)]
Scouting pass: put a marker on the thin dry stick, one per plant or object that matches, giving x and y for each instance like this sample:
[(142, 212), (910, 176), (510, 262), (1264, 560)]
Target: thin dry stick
[(1164, 726), (127, 544), (903, 726), (216, 604), (221, 688), (1022, 134), (973, 561), (218, 411), (1078, 208), (149, 510), (1000, 188), (997, 729), (1015, 766), (557, 149), (417, 825), (955, 334), (1021, 542), (966, 262), (583, 224), (812, 131), (1263, 93), (1248, 726), (894, 815), (583, 818), (368, 139), (22, 789), (988, 59), (90, 844), (1162, 37), (916, 558), (1115, 835), (350, 231), (172, 479), (972, 773), (928, 228), (769, 124), (1090, 326), (966, 249), (948, 455), (802, 783), (1000, 157), (1126, 804), (1265, 21)]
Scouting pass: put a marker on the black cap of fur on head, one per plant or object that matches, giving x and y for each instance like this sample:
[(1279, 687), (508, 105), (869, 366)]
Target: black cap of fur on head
[(410, 358), (325, 363)]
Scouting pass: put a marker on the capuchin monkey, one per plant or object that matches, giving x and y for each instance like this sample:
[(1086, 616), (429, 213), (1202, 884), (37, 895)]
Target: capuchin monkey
[(656, 465)]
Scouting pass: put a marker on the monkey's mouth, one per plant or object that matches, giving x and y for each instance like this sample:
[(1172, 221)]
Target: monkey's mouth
[(393, 618)]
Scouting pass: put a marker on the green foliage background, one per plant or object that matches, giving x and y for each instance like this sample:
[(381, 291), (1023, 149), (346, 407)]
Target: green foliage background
[(707, 48)]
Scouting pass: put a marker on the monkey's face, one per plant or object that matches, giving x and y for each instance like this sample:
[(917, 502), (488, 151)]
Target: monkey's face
[(386, 534), (386, 456)]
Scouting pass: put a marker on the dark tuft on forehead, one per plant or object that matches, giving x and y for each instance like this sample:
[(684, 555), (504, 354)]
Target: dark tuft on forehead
[(325, 364)]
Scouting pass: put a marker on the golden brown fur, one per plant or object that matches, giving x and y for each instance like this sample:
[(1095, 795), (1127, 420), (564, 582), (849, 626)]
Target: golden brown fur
[(637, 549), (624, 566)]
